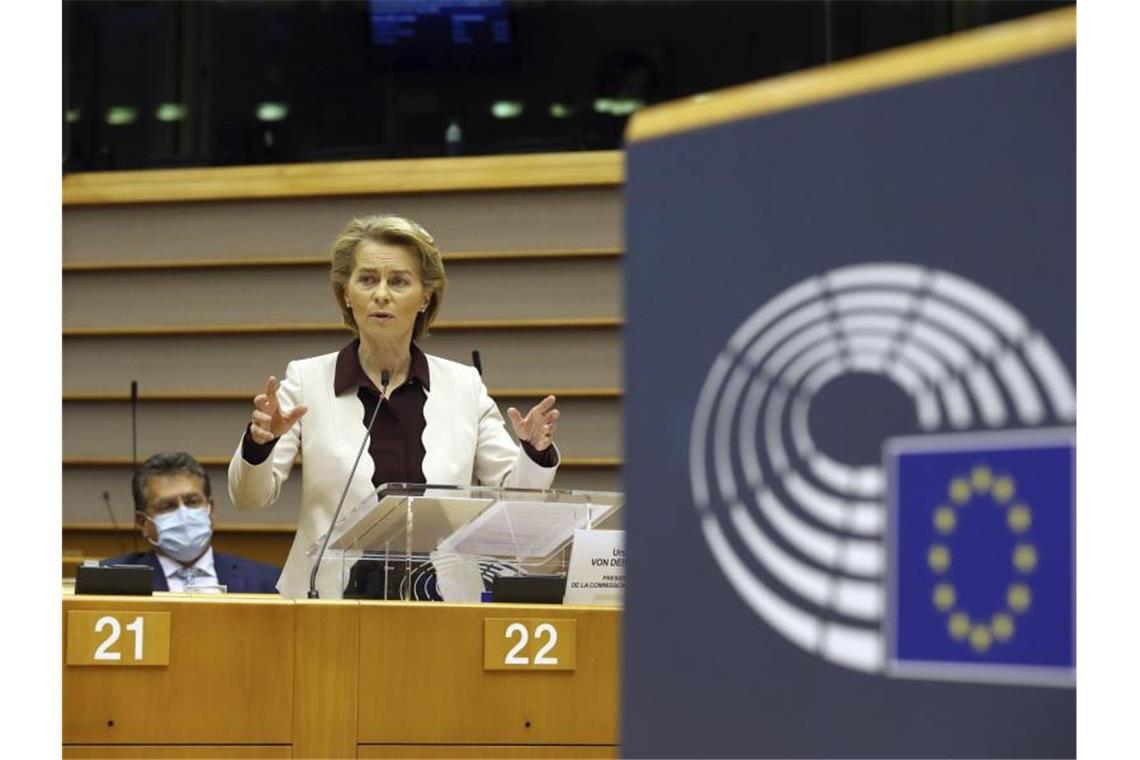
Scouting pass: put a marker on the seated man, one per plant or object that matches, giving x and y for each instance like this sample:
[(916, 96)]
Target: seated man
[(174, 512)]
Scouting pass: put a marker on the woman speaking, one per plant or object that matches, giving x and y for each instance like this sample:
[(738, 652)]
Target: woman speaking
[(437, 424)]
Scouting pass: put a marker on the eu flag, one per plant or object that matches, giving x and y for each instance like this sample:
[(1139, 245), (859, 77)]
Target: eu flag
[(981, 570)]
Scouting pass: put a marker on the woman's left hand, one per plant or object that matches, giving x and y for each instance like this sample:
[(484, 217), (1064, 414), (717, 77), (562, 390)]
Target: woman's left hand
[(537, 428)]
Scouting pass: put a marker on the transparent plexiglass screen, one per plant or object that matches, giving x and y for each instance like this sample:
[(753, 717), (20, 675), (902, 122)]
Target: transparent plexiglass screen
[(417, 542)]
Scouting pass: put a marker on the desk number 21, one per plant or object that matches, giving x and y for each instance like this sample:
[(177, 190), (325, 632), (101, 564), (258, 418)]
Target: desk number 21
[(104, 651)]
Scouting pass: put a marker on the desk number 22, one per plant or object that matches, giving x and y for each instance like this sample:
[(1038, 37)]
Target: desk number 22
[(540, 657), (104, 651)]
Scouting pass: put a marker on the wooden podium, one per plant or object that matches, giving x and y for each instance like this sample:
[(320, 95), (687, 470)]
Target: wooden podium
[(263, 677)]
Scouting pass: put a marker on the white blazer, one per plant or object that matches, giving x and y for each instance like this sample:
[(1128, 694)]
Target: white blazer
[(465, 442)]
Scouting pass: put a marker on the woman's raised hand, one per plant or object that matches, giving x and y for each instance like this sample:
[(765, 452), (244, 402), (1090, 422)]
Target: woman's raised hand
[(267, 422), (537, 428)]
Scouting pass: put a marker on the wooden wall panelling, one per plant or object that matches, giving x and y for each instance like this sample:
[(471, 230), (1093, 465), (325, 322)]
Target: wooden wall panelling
[(574, 287), (556, 251), (252, 330), (529, 358), (264, 543), (587, 427), (485, 221), (83, 489), (321, 261)]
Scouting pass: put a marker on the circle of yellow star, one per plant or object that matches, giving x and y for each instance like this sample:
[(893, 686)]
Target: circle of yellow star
[(1002, 624), (1025, 558), (958, 625), (1018, 597), (1019, 518), (945, 520), (982, 478), (960, 491), (981, 638), (1003, 489), (938, 557), (944, 596)]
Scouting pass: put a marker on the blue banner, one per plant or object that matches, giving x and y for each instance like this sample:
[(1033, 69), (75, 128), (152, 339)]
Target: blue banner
[(850, 371)]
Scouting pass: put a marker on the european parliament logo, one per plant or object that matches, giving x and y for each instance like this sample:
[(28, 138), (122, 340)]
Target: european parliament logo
[(953, 558), (981, 571)]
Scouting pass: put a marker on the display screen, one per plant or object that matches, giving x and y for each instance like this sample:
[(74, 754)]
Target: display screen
[(435, 32)]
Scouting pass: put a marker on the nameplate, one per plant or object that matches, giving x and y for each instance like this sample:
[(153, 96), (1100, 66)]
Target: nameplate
[(530, 644), (118, 638), (597, 568)]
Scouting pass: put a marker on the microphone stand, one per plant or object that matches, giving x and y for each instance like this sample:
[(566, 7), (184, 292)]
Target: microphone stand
[(385, 377), (134, 445)]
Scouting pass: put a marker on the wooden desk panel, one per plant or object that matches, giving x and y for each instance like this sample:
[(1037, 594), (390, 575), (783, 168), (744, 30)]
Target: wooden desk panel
[(173, 751), (255, 676), (230, 678), (325, 678), (422, 679)]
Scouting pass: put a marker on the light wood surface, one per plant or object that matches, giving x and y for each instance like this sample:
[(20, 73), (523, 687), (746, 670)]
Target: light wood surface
[(322, 262), (980, 48), (432, 655), (404, 176), (229, 681), (412, 751), (327, 679), (175, 752)]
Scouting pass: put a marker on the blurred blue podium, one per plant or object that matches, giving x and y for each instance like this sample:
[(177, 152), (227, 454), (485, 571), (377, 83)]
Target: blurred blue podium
[(850, 410)]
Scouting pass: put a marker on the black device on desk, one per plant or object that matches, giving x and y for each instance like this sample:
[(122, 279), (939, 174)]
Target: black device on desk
[(529, 589), (124, 580)]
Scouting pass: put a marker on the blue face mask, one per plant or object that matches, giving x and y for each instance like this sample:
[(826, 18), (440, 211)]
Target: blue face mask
[(183, 533)]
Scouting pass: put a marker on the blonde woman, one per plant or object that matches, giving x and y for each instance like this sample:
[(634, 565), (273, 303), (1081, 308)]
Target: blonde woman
[(437, 423)]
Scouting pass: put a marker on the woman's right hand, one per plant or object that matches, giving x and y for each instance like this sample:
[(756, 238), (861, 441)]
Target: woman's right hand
[(267, 422)]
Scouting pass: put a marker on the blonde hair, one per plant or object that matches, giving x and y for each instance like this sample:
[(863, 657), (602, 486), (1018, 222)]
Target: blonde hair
[(391, 230)]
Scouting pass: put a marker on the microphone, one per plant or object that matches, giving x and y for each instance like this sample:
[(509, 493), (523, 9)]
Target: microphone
[(385, 377), (134, 424), (114, 522), (477, 362), (134, 442)]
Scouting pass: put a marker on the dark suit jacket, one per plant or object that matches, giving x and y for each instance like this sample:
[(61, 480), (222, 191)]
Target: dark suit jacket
[(239, 575)]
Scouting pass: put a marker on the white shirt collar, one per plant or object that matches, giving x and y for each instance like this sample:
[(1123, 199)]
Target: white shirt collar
[(204, 563)]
